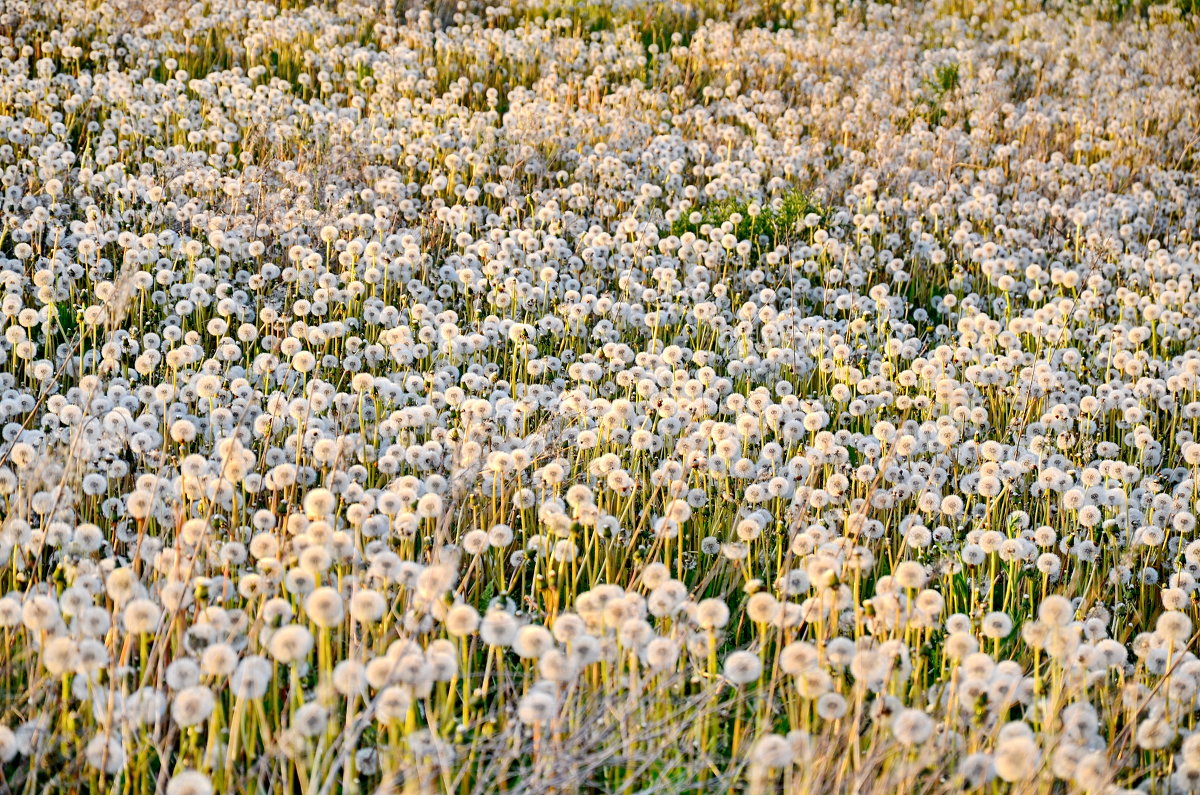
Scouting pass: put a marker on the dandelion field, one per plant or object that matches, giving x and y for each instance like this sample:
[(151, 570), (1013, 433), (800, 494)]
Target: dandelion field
[(579, 397)]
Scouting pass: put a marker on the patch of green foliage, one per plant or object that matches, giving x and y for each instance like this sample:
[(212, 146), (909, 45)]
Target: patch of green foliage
[(661, 31), (657, 24), (937, 88), (1116, 10), (776, 222), (68, 319)]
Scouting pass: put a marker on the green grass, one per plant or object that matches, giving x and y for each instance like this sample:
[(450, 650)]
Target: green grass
[(779, 221), (935, 91)]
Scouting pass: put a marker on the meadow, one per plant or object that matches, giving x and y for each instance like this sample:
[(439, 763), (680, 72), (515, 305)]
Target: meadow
[(553, 396)]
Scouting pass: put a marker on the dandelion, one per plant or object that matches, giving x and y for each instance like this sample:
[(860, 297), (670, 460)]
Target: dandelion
[(912, 727), (660, 654), (192, 705), (324, 607), (475, 542), (8, 745), (463, 620), (498, 629), (218, 660), (536, 708), (712, 614), (142, 617), (772, 751), (976, 770), (1056, 609), (532, 641), (910, 574), (311, 719), (291, 643), (182, 673), (1154, 733), (350, 678), (40, 613), (997, 625), (831, 706), (251, 678), (1174, 627), (1016, 759), (189, 782), (742, 667), (60, 656), (105, 753), (366, 607)]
